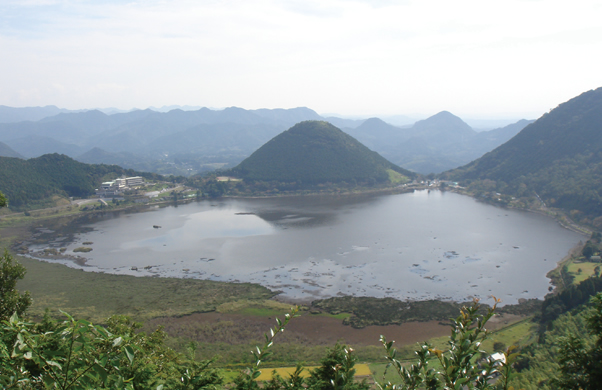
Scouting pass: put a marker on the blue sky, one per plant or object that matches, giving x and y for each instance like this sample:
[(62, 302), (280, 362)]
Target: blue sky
[(478, 59)]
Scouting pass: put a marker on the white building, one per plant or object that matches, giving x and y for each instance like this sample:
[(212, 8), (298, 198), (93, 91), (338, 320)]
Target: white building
[(112, 188), (134, 181)]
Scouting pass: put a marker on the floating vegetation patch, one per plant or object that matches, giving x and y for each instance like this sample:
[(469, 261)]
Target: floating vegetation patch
[(417, 269), (451, 254)]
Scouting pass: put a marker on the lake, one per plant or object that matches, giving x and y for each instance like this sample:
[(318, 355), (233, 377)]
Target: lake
[(420, 245)]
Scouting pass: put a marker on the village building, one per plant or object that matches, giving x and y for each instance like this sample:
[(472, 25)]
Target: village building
[(118, 186)]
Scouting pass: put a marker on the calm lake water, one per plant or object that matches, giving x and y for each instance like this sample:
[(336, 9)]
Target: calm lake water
[(419, 245)]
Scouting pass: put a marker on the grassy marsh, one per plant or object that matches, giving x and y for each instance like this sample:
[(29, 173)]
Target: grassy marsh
[(96, 296)]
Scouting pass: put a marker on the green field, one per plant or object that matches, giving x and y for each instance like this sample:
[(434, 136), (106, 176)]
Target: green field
[(96, 296), (586, 267), (266, 374), (396, 177)]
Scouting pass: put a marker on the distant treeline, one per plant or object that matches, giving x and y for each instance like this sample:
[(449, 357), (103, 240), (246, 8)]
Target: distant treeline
[(571, 297)]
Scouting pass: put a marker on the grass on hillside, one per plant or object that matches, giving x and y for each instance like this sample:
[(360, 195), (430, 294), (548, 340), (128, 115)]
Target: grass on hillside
[(523, 332), (396, 177), (96, 296), (587, 269)]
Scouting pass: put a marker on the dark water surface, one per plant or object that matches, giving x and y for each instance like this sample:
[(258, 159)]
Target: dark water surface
[(417, 245)]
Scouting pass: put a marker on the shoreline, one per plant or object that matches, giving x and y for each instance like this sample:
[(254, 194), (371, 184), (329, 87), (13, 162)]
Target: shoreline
[(81, 262), (555, 214)]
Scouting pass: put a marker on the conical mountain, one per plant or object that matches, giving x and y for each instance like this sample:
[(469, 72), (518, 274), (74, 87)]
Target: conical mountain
[(443, 128), (559, 156), (316, 152)]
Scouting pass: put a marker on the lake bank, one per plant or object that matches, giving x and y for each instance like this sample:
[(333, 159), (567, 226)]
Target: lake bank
[(422, 239)]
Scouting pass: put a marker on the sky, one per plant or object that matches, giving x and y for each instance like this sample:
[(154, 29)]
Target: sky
[(475, 58)]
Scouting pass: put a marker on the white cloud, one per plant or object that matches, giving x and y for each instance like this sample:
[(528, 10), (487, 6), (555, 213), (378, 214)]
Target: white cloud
[(371, 57)]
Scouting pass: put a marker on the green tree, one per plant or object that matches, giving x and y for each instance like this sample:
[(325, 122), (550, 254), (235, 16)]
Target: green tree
[(581, 364), (498, 346), (76, 354), (295, 380), (11, 301), (336, 371), (459, 367), (3, 201), (589, 249)]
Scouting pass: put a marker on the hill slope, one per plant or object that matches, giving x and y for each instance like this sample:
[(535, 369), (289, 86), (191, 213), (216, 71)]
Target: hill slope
[(559, 156), (7, 151), (315, 152), (33, 182)]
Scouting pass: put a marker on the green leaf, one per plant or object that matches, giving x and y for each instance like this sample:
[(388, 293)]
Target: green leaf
[(129, 352), (117, 341), (48, 381), (101, 372), (511, 358), (67, 315)]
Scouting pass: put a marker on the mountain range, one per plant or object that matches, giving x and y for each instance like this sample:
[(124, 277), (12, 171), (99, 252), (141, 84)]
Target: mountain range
[(188, 142), (433, 145)]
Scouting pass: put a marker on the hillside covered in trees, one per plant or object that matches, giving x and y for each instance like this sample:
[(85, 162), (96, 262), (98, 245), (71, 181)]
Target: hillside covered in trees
[(316, 152), (558, 158), (33, 182)]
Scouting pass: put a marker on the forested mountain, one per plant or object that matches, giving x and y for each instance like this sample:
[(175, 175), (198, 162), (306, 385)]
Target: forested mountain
[(438, 143), (6, 151), (315, 152), (559, 157), (35, 181)]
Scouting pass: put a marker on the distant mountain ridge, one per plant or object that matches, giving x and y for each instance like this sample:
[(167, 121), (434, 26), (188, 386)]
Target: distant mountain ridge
[(433, 145), (187, 142), (315, 152), (559, 157), (20, 114)]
